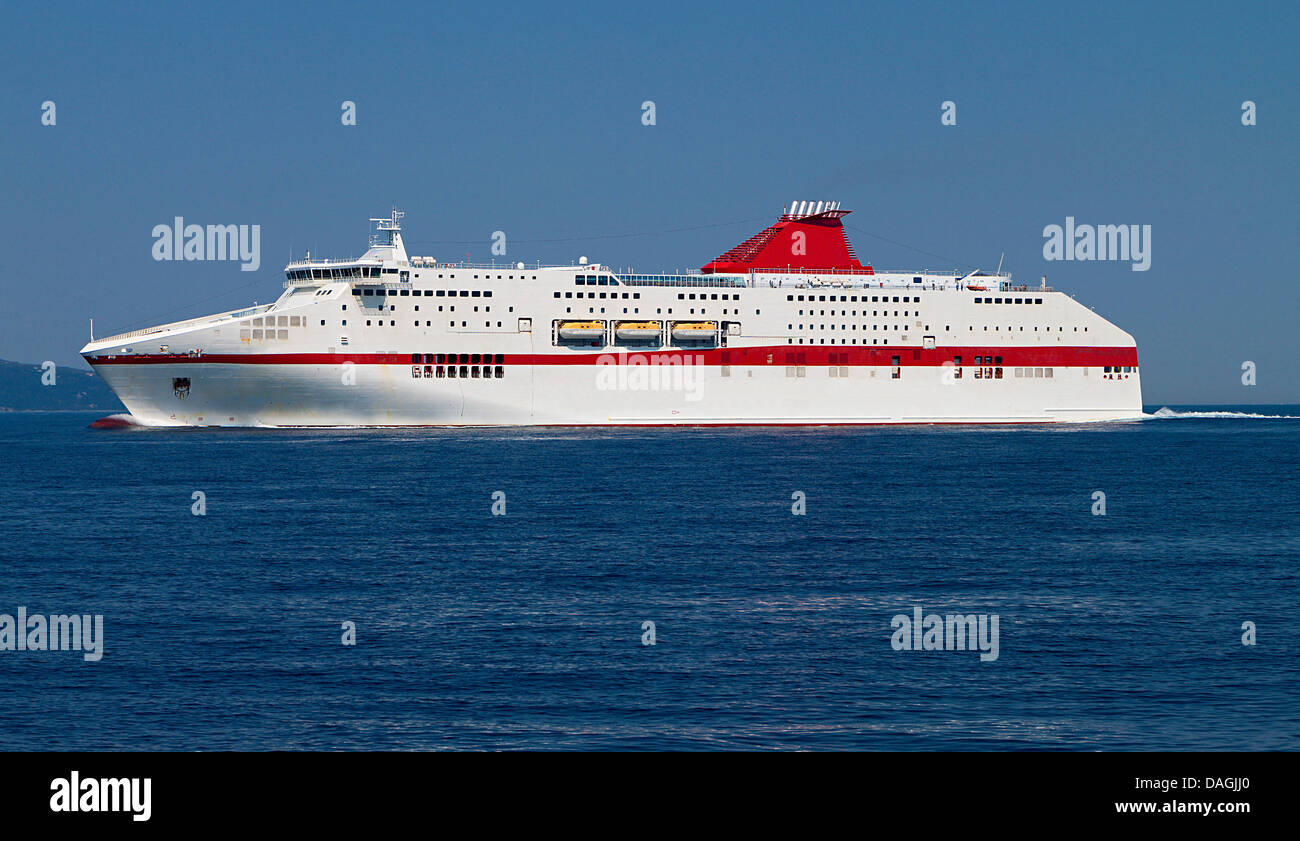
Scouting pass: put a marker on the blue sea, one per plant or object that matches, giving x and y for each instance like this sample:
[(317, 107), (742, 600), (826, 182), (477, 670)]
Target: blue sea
[(772, 630)]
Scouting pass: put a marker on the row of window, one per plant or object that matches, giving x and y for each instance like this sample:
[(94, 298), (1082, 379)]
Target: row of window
[(682, 296), (333, 273), (842, 341), (392, 309), (1008, 300), (274, 321), (452, 276), (1010, 328), (594, 280), (896, 371), (986, 373), (428, 293), (393, 323), (839, 371), (486, 277), (457, 358), (636, 295), (464, 372), (876, 313), (845, 327), (914, 299)]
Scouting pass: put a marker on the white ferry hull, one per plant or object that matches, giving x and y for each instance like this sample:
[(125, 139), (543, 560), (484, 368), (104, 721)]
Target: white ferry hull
[(387, 395)]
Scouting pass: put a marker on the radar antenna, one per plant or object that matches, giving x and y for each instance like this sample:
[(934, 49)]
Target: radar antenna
[(386, 230)]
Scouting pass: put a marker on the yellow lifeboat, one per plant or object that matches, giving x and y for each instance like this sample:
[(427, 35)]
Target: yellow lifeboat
[(585, 330), (695, 331), (638, 331)]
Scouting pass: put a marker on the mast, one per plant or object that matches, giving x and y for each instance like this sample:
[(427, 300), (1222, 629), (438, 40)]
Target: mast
[(386, 240)]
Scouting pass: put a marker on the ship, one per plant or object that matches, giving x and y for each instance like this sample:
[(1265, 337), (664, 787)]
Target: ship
[(787, 328)]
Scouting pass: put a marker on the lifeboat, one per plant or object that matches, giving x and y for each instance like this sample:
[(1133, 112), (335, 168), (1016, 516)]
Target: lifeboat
[(585, 330), (977, 288), (695, 331), (638, 331)]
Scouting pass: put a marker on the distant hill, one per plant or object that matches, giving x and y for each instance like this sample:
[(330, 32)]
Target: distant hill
[(21, 389)]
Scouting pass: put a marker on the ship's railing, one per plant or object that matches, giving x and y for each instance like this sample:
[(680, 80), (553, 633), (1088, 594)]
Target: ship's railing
[(321, 262), (944, 273), (799, 271), (207, 319), (499, 267), (417, 263), (683, 280)]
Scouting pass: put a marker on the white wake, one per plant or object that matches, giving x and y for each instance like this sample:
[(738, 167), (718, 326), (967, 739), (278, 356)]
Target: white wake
[(1167, 412)]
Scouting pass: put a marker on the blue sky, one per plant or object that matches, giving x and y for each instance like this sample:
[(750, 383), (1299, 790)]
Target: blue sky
[(527, 119)]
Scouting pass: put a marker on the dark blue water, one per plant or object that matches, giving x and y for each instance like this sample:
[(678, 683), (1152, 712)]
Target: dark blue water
[(223, 631)]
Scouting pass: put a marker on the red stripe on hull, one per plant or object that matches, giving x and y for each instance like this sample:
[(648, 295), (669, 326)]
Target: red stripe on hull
[(1068, 357)]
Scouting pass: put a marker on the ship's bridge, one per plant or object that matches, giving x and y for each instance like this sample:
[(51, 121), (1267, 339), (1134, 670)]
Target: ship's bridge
[(385, 260), (316, 272)]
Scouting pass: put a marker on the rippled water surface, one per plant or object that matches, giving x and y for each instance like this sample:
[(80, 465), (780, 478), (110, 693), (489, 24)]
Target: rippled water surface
[(772, 630)]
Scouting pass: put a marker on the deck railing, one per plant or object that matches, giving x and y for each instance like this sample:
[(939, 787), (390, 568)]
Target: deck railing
[(207, 319)]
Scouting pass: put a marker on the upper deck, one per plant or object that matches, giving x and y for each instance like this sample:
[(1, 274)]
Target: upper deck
[(313, 273), (806, 248)]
